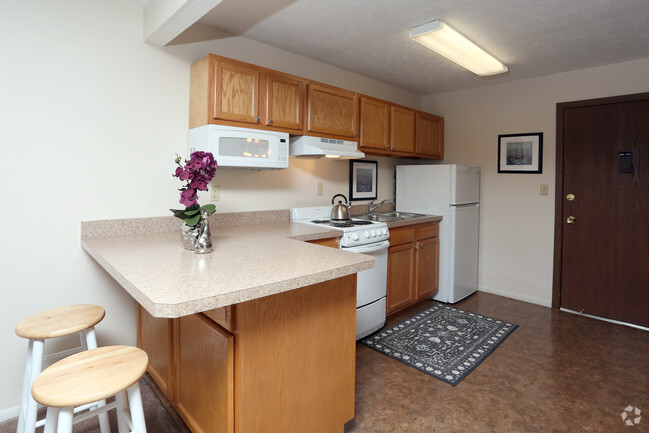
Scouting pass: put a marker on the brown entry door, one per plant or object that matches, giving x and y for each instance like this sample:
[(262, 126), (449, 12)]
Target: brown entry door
[(605, 208)]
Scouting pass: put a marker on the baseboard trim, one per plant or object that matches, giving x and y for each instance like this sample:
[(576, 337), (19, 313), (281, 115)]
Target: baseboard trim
[(9, 413), (506, 294)]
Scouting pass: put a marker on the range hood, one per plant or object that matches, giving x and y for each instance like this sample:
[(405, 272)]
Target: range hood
[(307, 146)]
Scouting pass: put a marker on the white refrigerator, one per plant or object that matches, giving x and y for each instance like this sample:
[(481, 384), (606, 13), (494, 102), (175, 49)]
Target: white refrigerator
[(452, 191)]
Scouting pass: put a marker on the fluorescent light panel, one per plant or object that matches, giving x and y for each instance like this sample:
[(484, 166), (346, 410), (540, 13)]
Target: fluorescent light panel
[(445, 41)]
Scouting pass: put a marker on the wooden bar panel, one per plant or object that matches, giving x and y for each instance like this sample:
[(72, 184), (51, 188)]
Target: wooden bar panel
[(204, 375), (295, 360), (155, 337)]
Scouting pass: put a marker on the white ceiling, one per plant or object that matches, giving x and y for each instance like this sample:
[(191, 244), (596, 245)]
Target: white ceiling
[(371, 37)]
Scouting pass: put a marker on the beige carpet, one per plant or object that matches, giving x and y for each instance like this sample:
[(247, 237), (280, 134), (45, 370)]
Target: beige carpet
[(160, 418)]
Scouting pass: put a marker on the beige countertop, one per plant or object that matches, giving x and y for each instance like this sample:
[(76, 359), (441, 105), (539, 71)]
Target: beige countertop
[(146, 257)]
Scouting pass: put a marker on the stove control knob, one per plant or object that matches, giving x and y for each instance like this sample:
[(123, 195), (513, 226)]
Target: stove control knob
[(385, 231), (367, 234), (372, 233), (354, 236)]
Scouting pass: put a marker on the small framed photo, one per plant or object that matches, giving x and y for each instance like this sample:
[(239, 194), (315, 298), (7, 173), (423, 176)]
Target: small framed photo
[(520, 153), (363, 176)]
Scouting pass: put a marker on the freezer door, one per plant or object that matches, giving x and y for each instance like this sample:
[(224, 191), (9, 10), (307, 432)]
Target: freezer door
[(465, 184)]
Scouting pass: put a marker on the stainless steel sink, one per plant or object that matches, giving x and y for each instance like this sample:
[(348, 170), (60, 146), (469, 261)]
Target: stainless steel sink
[(390, 216), (403, 215), (379, 217)]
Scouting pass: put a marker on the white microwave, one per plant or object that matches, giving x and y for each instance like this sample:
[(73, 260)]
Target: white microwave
[(235, 147)]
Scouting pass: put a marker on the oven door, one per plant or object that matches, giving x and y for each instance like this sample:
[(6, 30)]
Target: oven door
[(372, 283)]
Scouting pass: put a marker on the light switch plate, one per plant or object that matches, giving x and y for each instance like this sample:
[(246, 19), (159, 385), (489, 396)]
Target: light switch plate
[(544, 189), (215, 192), (319, 188)]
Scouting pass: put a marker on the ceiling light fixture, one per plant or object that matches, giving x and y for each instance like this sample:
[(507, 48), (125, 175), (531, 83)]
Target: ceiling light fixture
[(444, 40)]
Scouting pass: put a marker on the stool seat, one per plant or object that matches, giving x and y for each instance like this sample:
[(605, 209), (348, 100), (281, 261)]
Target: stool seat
[(90, 376), (60, 321)]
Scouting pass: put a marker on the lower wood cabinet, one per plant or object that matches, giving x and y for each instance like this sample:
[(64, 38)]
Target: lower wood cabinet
[(156, 337), (328, 242), (279, 364), (413, 265), (204, 382)]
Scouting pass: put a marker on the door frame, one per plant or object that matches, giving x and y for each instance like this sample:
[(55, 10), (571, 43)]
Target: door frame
[(558, 199)]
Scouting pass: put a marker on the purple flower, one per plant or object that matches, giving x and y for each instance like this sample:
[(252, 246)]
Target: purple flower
[(188, 197), (198, 171)]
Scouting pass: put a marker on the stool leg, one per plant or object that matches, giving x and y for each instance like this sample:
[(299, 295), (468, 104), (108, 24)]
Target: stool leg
[(51, 420), (26, 388), (66, 414), (28, 406), (89, 341), (137, 411), (122, 409)]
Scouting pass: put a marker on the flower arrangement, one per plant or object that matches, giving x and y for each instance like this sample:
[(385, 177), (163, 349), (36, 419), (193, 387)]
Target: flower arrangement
[(198, 171)]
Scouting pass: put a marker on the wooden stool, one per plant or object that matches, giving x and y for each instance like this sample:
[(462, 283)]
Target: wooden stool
[(91, 376), (56, 322)]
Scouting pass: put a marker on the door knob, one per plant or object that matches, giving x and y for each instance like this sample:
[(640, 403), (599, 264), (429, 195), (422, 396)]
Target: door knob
[(571, 219), (570, 197)]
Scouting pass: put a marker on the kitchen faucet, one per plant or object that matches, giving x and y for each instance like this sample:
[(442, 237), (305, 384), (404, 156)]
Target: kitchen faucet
[(374, 207)]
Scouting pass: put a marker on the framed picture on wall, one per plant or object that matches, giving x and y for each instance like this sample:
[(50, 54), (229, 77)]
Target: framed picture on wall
[(520, 153), (363, 177)]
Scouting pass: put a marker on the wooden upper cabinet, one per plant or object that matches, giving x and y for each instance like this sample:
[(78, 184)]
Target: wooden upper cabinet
[(375, 124), (237, 92), (402, 129), (228, 92), (430, 136), (285, 97), (332, 110)]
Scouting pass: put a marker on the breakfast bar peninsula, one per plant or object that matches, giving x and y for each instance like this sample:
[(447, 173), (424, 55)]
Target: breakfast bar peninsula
[(257, 336)]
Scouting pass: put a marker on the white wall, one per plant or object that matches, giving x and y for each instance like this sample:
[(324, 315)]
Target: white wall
[(90, 121), (517, 224)]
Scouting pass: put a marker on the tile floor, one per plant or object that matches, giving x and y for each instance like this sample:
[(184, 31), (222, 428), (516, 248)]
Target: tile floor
[(557, 372)]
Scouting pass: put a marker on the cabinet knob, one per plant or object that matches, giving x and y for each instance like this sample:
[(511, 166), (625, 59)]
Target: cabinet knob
[(387, 146), (418, 150), (269, 121), (414, 246), (257, 119), (394, 147), (355, 132), (421, 245)]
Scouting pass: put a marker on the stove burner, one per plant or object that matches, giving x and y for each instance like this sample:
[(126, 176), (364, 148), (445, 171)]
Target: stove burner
[(341, 224)]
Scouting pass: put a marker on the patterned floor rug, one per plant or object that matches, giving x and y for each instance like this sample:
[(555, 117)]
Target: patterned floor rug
[(442, 341)]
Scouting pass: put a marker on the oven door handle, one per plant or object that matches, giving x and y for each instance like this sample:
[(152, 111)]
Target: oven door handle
[(372, 248)]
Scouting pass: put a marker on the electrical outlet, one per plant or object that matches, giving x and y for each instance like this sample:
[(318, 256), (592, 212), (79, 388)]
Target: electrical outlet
[(215, 192), (319, 188), (544, 189)]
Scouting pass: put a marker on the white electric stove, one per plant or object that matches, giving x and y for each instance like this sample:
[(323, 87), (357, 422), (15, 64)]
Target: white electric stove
[(364, 237)]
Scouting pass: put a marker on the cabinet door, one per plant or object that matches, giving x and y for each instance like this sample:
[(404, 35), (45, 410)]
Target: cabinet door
[(400, 276), (375, 124), (204, 394), (155, 337), (332, 110), (285, 101), (237, 92), (329, 242), (430, 136), (426, 268), (402, 129)]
